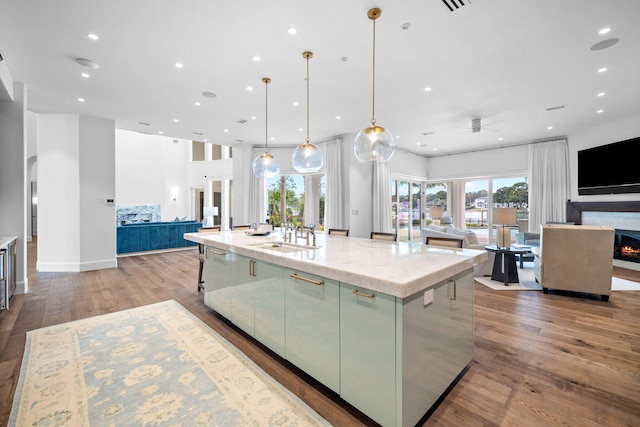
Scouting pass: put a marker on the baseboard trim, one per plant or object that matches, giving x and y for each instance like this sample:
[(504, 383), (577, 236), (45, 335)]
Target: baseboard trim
[(65, 267)]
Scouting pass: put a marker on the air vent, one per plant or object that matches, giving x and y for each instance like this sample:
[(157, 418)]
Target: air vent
[(239, 140), (197, 133), (209, 94), (454, 5), (242, 121), (427, 133), (559, 107), (144, 123)]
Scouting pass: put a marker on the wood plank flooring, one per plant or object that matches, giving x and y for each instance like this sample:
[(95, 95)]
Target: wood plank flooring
[(539, 359)]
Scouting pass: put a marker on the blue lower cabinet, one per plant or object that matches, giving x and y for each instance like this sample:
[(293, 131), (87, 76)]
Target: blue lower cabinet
[(151, 236)]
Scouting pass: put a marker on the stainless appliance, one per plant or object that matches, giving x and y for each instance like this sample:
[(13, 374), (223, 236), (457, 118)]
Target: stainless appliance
[(7, 274)]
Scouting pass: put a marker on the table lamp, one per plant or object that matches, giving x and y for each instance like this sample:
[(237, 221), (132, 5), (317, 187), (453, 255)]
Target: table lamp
[(504, 217), (436, 214), (209, 212)]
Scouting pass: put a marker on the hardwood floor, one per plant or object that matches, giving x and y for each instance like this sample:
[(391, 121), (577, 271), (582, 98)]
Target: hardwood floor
[(539, 359)]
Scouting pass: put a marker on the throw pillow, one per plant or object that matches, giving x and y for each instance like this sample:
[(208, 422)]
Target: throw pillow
[(470, 237), (437, 227)]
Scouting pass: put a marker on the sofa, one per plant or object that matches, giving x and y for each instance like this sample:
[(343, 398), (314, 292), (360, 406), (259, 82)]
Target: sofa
[(576, 258), (469, 239), (151, 236)]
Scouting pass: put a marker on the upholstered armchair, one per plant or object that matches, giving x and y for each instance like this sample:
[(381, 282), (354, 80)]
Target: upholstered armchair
[(575, 258)]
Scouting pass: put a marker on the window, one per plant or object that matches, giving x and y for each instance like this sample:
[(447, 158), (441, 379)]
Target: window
[(406, 205), (288, 194), (481, 196)]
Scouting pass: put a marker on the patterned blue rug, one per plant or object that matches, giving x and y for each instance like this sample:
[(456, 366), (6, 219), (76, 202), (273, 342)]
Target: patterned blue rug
[(156, 365)]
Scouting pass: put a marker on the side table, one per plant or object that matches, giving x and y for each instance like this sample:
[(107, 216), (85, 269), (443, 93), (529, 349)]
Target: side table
[(504, 263)]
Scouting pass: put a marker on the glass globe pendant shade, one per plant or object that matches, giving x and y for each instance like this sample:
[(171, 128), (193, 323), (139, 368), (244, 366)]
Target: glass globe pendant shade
[(266, 166), (374, 144), (307, 158)]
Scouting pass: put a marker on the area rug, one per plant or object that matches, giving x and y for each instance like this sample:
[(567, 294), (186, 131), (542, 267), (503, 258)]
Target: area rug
[(156, 365), (528, 282)]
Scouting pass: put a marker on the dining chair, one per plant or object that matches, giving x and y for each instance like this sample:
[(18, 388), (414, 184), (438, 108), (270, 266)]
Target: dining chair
[(201, 254), (241, 227), (338, 231), (376, 235), (448, 242)]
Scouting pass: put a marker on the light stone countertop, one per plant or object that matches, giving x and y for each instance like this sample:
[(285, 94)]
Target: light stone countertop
[(400, 269), (5, 240)]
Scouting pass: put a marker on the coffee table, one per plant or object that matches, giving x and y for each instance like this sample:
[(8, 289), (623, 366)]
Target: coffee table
[(504, 263)]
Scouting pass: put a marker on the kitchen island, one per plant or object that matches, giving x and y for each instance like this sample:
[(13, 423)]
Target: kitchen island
[(388, 326)]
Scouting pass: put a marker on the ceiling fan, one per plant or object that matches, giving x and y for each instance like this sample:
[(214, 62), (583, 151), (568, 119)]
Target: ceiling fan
[(476, 126)]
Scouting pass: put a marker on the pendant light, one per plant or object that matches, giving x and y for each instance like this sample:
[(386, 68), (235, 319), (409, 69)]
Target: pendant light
[(307, 157), (374, 144), (265, 165)]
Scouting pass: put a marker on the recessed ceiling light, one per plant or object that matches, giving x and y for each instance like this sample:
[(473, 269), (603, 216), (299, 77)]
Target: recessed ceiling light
[(253, 117), (602, 70), (344, 58), (160, 132), (549, 127), (80, 99), (85, 75), (93, 36), (226, 130), (179, 65), (605, 30), (435, 149), (249, 88), (292, 31), (604, 44), (296, 103), (500, 139), (175, 120), (338, 117), (600, 111), (427, 89), (601, 94), (421, 144), (209, 94), (300, 129), (197, 104), (87, 63), (256, 58), (205, 140), (272, 138)]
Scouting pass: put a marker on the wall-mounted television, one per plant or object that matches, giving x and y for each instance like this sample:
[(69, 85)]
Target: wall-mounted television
[(610, 169)]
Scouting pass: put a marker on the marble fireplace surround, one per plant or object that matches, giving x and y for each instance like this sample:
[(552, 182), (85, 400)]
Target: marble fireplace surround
[(622, 215)]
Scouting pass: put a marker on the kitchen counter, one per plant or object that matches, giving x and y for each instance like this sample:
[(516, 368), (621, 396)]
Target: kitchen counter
[(399, 269), (388, 326)]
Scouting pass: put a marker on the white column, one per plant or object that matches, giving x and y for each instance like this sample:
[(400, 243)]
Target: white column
[(76, 192)]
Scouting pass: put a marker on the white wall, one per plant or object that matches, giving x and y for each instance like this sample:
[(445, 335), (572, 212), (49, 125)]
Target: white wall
[(149, 169), (76, 172), (607, 133), (13, 176), (478, 164)]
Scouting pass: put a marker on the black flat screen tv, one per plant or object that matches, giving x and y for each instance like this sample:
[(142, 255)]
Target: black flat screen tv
[(610, 169)]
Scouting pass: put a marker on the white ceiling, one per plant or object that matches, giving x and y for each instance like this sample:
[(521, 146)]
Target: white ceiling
[(504, 61)]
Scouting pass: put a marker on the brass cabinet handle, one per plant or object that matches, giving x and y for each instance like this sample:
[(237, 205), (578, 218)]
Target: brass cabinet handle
[(362, 294), (454, 289), (215, 251), (252, 268), (306, 279)]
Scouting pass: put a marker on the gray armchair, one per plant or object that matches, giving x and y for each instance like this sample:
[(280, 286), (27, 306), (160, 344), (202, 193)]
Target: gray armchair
[(575, 258)]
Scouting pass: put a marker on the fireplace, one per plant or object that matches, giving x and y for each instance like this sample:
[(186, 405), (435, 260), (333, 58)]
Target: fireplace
[(627, 245), (623, 216)]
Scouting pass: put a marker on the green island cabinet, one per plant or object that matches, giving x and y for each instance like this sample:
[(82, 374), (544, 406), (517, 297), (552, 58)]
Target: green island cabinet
[(389, 357)]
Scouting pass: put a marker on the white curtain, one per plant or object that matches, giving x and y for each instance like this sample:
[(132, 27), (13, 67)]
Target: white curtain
[(257, 206), (333, 200), (381, 204), (548, 182)]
